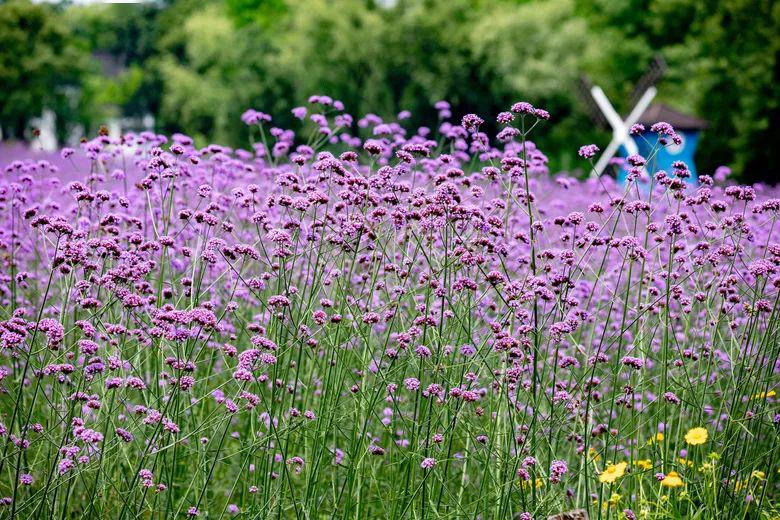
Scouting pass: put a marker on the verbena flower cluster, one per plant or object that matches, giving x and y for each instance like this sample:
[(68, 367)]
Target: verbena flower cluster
[(361, 320)]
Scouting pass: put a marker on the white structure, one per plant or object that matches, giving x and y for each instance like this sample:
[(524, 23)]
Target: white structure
[(47, 126), (620, 128)]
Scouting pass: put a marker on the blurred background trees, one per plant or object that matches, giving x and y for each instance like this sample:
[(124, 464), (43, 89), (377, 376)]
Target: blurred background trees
[(197, 64), (41, 66)]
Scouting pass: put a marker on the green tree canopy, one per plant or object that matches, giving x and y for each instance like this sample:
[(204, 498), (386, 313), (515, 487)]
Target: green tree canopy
[(197, 64), (40, 65)]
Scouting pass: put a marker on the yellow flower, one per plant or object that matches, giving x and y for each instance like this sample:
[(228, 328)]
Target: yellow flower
[(613, 472), (696, 436), (645, 464), (538, 482), (686, 462), (658, 437), (672, 480), (614, 499), (760, 475), (593, 454), (764, 395)]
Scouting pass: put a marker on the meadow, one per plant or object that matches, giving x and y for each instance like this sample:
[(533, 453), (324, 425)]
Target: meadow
[(359, 319)]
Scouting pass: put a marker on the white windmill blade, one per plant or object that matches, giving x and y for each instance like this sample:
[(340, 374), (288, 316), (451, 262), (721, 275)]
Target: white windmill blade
[(619, 133), (608, 153), (613, 118), (641, 106)]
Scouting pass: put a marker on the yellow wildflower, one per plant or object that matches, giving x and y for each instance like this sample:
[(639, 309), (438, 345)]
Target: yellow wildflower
[(613, 472), (686, 462), (614, 499), (593, 454), (760, 475), (645, 464), (696, 436), (672, 480), (539, 483), (764, 395)]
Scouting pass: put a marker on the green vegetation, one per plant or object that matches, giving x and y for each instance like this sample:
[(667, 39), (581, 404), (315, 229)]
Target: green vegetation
[(197, 64)]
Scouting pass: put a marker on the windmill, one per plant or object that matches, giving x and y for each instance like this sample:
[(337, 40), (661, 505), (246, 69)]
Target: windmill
[(604, 114)]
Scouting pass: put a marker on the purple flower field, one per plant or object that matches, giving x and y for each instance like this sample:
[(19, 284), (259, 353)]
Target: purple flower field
[(357, 319)]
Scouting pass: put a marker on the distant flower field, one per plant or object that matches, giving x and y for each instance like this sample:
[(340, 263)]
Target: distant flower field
[(363, 320)]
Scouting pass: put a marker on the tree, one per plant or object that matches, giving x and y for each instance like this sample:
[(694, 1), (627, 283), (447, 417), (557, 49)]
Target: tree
[(40, 65), (197, 64)]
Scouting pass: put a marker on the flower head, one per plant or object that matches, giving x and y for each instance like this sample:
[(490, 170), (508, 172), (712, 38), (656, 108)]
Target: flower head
[(672, 480), (613, 472), (696, 436), (588, 151), (428, 463)]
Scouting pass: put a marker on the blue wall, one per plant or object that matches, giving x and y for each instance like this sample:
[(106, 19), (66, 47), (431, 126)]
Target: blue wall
[(667, 155)]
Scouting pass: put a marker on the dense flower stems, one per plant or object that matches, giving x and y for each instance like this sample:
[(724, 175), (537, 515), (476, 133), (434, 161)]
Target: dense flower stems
[(364, 320)]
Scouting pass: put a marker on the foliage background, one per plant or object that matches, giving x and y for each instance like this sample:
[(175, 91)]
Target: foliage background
[(197, 64)]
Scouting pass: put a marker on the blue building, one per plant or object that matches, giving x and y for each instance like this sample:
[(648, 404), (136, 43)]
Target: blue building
[(688, 127)]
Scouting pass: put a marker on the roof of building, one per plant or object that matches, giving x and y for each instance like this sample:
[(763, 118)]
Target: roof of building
[(659, 112)]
